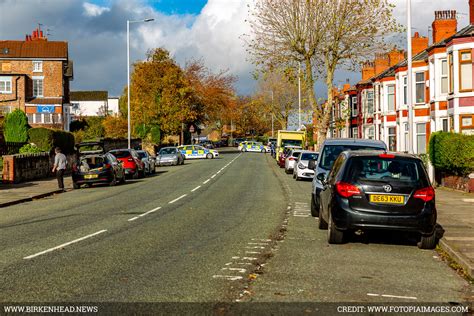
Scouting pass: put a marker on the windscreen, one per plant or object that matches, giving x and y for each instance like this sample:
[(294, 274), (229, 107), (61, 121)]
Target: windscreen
[(168, 151), (121, 153), (331, 152), (290, 142), (309, 156), (368, 169), (141, 154)]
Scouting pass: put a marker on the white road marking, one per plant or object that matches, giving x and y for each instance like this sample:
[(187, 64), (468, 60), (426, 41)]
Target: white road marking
[(213, 176), (253, 252), (133, 218), (65, 244), (240, 270), (392, 296), (258, 243), (468, 200), (268, 240), (153, 210), (177, 199), (206, 181), (195, 188), (249, 258), (254, 247), (228, 277)]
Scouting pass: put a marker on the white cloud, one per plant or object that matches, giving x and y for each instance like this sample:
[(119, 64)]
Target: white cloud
[(93, 10)]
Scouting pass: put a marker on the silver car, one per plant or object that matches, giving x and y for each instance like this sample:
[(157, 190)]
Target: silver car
[(290, 161), (329, 151), (169, 156), (148, 160), (301, 170)]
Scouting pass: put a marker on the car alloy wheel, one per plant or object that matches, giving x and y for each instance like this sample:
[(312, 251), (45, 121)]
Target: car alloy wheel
[(335, 236), (209, 156)]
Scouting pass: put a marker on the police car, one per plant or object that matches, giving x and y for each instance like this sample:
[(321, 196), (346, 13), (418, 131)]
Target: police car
[(253, 147), (196, 152)]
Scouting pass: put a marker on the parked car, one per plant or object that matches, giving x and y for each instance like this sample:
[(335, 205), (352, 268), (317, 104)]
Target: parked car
[(207, 144), (94, 166), (169, 156), (329, 151), (237, 141), (148, 160), (286, 151), (301, 171), (377, 190), (290, 160), (134, 167)]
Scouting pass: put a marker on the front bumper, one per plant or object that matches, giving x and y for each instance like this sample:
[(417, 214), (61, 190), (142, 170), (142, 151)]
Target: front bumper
[(346, 218), (167, 162), (305, 173)]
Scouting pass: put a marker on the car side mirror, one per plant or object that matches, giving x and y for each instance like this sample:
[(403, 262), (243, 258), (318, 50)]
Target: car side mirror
[(312, 164), (321, 177)]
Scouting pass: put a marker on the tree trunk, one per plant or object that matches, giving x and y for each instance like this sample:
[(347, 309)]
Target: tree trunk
[(326, 115)]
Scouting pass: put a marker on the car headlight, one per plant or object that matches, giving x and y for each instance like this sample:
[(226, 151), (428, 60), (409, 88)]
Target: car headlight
[(301, 166)]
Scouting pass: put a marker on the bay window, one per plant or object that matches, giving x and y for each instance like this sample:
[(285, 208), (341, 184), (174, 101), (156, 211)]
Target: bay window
[(420, 87), (391, 97), (444, 76), (465, 70)]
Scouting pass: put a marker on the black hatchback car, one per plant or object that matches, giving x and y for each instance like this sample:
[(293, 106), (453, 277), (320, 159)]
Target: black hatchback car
[(93, 166), (377, 190)]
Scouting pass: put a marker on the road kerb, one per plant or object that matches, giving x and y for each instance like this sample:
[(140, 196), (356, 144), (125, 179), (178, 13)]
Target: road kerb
[(458, 256), (31, 198)]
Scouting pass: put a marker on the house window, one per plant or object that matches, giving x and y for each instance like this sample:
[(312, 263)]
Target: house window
[(355, 132), (444, 124), (47, 118), (38, 118), (354, 106), (370, 132), (370, 102), (451, 73), (465, 70), (5, 84), (406, 136), (444, 76), (37, 87), (5, 109), (467, 124), (420, 87), (30, 118), (421, 138), (405, 90), (37, 66), (391, 97), (392, 138)]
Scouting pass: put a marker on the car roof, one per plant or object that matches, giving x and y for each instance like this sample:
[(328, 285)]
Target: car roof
[(172, 147), (351, 141), (368, 153), (309, 152)]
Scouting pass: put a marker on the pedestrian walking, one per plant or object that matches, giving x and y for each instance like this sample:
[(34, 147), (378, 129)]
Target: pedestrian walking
[(59, 167)]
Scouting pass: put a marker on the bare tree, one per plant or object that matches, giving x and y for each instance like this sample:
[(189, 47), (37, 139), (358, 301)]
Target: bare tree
[(322, 35)]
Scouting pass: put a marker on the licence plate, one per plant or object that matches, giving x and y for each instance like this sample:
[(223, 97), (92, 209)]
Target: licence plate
[(91, 176), (387, 199)]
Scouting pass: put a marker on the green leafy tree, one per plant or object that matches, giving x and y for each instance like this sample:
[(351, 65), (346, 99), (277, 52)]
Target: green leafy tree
[(15, 127)]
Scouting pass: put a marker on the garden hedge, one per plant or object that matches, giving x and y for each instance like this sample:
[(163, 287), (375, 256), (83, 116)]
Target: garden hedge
[(452, 152), (47, 139), (15, 127)]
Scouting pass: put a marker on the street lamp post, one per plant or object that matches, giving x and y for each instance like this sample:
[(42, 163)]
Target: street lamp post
[(409, 81), (299, 96), (128, 76), (272, 115)]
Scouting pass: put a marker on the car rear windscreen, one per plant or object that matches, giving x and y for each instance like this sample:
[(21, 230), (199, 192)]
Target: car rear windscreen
[(290, 142), (167, 151), (309, 156), (121, 153), (399, 169), (331, 152)]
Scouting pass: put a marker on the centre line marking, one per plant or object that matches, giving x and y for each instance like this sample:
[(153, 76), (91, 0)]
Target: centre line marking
[(213, 176), (195, 188), (206, 181), (177, 199), (228, 277), (393, 296), (65, 244), (149, 212)]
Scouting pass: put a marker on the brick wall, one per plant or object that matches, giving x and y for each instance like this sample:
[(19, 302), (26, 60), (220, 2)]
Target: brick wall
[(465, 184), (26, 167)]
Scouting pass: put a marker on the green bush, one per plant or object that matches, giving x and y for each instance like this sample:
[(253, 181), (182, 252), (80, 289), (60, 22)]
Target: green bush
[(46, 139), (155, 134), (16, 127), (452, 152), (30, 149)]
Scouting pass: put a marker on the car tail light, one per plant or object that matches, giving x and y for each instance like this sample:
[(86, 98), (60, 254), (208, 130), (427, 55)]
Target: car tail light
[(107, 166), (426, 194), (130, 159), (386, 156), (346, 189)]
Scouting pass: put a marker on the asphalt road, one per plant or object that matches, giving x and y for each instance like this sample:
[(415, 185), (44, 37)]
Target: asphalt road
[(220, 230)]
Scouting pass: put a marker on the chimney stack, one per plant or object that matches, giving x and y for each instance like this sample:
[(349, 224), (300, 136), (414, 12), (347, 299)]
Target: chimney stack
[(444, 25), (381, 63), (418, 44), (471, 11), (368, 70), (395, 56), (346, 86)]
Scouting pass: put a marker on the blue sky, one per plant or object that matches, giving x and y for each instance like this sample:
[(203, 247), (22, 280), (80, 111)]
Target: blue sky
[(178, 6)]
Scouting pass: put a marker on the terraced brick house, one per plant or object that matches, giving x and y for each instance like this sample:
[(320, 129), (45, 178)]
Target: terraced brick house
[(34, 77)]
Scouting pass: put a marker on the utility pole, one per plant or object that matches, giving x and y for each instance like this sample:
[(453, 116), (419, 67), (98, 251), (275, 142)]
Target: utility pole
[(409, 81), (272, 115), (299, 96)]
